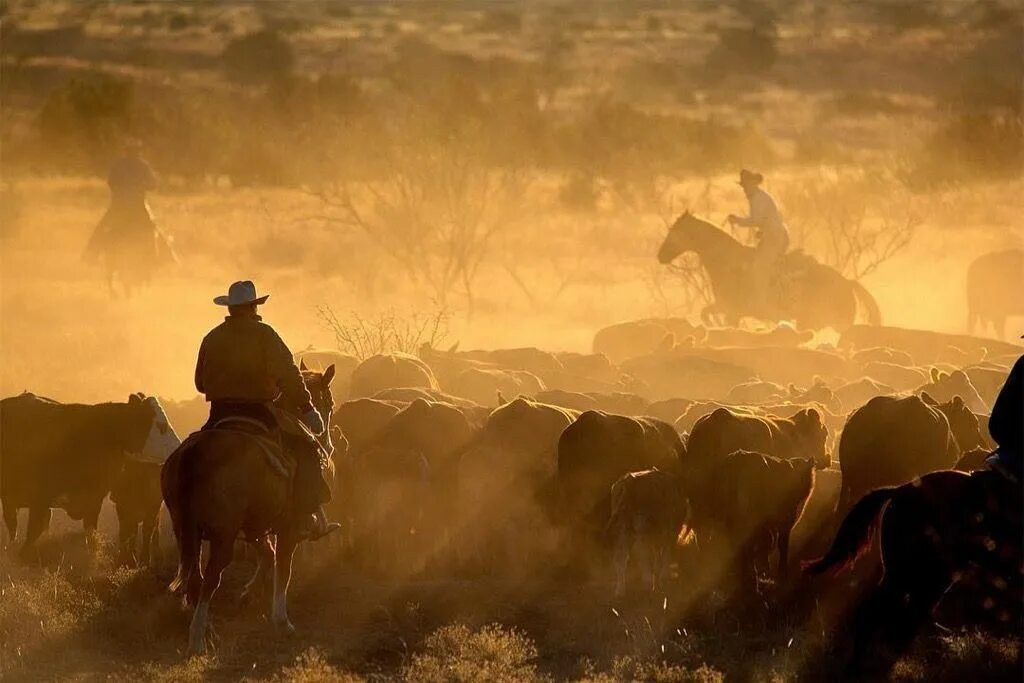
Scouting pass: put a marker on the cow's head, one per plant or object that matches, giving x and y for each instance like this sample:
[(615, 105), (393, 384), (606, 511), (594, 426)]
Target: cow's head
[(811, 437), (159, 439)]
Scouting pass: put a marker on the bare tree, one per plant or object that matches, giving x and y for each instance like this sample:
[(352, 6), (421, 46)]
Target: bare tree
[(854, 221), (435, 209), (387, 332)]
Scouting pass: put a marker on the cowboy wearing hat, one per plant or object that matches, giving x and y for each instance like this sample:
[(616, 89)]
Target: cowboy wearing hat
[(773, 236), (243, 367)]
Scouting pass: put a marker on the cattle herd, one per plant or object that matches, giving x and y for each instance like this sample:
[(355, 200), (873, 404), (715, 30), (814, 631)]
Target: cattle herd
[(750, 446)]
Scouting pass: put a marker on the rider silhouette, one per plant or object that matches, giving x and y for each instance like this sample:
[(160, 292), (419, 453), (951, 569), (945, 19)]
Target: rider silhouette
[(1006, 424), (243, 366), (773, 236)]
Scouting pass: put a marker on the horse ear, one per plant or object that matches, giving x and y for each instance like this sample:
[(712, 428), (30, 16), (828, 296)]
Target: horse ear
[(329, 375), (302, 364)]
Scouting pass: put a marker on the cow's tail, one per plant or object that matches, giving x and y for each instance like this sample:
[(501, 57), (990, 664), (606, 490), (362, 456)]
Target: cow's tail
[(854, 535), (187, 528), (867, 302)]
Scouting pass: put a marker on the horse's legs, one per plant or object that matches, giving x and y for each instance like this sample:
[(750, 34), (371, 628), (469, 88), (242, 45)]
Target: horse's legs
[(264, 565), (221, 551), (282, 577)]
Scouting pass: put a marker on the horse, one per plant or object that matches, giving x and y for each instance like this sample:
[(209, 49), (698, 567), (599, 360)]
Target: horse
[(129, 245), (944, 528), (810, 294), (225, 483)]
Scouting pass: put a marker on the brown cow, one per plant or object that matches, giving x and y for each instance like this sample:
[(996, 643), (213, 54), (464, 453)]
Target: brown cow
[(648, 509), (944, 386), (756, 500), (390, 370)]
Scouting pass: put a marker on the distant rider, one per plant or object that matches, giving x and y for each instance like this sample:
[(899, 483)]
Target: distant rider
[(128, 218), (773, 236), (243, 367)]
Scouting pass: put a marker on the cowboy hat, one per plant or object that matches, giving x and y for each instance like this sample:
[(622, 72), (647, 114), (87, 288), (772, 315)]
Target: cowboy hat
[(750, 178), (241, 293)]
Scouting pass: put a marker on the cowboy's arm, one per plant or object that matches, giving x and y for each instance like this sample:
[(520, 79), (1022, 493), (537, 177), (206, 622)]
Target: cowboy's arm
[(200, 384), (286, 374)]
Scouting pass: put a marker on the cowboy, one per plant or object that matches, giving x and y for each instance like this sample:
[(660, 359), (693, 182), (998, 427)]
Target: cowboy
[(773, 236), (243, 367), (128, 215)]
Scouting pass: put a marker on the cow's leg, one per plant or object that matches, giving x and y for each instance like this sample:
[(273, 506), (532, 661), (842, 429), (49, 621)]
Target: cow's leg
[(622, 542), (282, 577), (221, 551), (38, 522), (150, 551), (90, 522)]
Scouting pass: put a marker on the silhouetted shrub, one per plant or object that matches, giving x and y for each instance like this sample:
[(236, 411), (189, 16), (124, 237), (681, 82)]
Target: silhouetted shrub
[(258, 57)]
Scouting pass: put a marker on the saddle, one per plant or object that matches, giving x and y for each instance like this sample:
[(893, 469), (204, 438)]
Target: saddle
[(269, 441)]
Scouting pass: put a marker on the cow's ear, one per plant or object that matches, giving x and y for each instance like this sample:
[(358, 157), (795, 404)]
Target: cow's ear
[(936, 375), (958, 402), (134, 398), (453, 348), (329, 375), (302, 364), (501, 399), (927, 398)]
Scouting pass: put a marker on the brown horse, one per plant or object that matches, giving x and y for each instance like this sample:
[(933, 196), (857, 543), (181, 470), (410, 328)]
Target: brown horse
[(221, 485), (810, 294), (946, 527)]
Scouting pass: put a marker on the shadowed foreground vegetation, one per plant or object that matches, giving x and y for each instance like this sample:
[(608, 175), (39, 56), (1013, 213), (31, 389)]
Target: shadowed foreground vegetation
[(77, 616)]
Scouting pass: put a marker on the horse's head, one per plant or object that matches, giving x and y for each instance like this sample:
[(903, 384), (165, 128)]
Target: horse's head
[(319, 386), (680, 238)]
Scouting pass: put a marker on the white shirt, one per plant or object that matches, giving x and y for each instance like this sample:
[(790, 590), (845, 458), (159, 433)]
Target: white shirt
[(765, 214)]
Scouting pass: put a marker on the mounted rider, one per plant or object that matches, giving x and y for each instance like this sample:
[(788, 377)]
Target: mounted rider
[(243, 367), (772, 233), (1006, 425)]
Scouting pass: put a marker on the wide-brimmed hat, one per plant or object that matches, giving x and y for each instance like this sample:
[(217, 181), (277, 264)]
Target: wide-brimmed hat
[(750, 178), (241, 293)]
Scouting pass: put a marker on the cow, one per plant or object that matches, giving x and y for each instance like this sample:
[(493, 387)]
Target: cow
[(853, 395), (889, 441), (669, 409), (648, 511), (756, 391), (597, 449), (973, 460), (483, 386), (723, 431), (780, 335), (506, 477), (755, 501), (635, 338), (593, 366), (780, 364), (881, 354), (416, 450), (71, 456), (573, 400), (390, 370), (988, 379), (899, 377), (994, 283), (944, 386), (668, 375), (964, 425), (925, 346)]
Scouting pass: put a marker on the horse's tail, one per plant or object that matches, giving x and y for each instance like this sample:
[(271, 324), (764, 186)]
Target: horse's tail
[(187, 526), (854, 535), (867, 301)]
